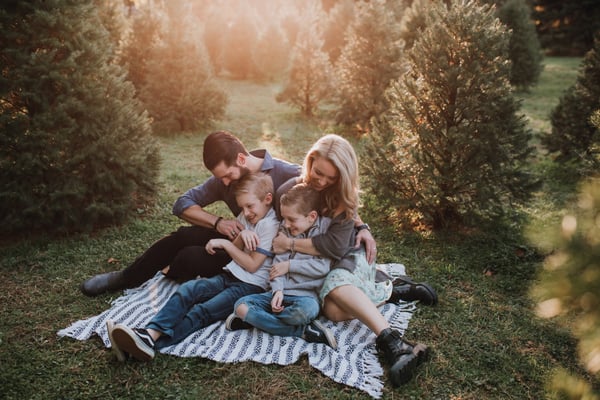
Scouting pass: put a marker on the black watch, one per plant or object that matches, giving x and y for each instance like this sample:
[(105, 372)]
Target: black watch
[(363, 226)]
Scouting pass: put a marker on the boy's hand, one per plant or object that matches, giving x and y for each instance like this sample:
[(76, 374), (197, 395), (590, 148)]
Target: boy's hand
[(279, 269), (214, 244), (250, 239), (277, 301)]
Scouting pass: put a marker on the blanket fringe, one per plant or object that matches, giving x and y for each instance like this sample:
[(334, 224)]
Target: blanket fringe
[(355, 363)]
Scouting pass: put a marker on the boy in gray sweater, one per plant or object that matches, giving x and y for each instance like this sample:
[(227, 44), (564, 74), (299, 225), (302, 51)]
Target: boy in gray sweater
[(292, 305)]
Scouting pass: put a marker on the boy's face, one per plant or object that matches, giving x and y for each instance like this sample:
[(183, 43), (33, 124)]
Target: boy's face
[(254, 209), (295, 222)]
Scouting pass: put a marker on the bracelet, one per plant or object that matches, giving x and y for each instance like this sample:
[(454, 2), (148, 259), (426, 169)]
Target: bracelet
[(217, 222)]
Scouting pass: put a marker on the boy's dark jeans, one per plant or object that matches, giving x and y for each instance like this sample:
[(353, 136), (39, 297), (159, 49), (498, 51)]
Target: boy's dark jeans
[(182, 250)]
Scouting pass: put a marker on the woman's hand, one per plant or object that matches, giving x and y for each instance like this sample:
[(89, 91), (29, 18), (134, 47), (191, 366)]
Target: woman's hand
[(364, 235), (279, 269), (277, 301), (281, 243), (250, 239)]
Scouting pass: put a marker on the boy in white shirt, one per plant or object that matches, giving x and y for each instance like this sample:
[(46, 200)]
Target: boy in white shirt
[(199, 303)]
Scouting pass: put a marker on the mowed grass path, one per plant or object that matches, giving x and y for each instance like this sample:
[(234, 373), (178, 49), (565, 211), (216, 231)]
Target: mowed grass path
[(488, 343)]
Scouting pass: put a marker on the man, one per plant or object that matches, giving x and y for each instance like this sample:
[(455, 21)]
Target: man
[(183, 251)]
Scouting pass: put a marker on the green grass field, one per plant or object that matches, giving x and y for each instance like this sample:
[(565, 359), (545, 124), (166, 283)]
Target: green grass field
[(487, 341)]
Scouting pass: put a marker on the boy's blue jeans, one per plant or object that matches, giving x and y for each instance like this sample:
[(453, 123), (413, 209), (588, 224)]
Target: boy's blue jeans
[(299, 311), (197, 304)]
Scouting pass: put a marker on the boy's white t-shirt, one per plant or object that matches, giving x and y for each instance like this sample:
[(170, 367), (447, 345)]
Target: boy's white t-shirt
[(266, 229)]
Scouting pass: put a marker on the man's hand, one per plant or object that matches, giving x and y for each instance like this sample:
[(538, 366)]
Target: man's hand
[(229, 227), (364, 235)]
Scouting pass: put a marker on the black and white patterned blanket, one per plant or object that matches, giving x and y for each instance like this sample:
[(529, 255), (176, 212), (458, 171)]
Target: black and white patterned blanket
[(354, 363)]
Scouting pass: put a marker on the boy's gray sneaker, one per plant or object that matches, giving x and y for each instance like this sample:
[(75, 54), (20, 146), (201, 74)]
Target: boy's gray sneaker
[(113, 345), (235, 323), (136, 342), (316, 332)]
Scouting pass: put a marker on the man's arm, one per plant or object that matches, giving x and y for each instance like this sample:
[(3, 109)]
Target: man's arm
[(197, 216)]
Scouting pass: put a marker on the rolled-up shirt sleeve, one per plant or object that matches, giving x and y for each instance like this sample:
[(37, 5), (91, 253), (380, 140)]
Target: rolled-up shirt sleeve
[(202, 195), (336, 242)]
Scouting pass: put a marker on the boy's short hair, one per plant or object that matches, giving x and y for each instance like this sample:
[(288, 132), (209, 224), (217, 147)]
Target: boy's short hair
[(258, 183), (221, 146), (302, 196)]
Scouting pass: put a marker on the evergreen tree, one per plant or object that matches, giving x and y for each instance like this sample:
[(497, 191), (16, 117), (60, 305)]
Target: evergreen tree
[(451, 146), (309, 80), (179, 89), (567, 27), (569, 284), (75, 146), (339, 17), (525, 51), (573, 137), (143, 36), (271, 52), (369, 61), (238, 44)]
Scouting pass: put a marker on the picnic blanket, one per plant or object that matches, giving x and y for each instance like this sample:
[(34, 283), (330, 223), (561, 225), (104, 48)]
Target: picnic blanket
[(354, 363)]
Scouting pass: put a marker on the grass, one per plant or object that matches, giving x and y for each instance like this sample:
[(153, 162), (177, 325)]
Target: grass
[(487, 341)]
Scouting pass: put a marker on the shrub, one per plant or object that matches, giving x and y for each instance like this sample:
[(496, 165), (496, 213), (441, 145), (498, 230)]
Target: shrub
[(451, 146), (75, 146)]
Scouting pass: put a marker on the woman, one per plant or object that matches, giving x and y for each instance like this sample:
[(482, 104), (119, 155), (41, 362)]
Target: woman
[(350, 290)]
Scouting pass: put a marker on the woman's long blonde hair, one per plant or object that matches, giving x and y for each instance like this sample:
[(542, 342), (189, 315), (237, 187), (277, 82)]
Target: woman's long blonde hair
[(343, 194)]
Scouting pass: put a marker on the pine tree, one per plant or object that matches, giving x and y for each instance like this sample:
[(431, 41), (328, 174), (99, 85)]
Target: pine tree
[(451, 146), (271, 52), (369, 61), (179, 89), (573, 137), (309, 80), (239, 43), (75, 146), (338, 19), (525, 51), (567, 27), (569, 284)]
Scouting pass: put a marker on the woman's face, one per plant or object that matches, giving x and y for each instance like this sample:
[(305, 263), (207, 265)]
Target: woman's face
[(322, 174)]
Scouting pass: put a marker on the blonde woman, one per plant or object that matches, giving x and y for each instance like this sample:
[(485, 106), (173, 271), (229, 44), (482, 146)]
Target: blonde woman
[(350, 290)]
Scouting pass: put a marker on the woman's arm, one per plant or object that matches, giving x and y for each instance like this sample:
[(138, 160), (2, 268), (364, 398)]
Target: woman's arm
[(333, 243)]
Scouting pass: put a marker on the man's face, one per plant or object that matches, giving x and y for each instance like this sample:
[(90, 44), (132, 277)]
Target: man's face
[(229, 174)]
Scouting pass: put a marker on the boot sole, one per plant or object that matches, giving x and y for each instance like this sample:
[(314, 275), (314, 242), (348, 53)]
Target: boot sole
[(129, 342), (420, 353), (113, 345), (432, 293)]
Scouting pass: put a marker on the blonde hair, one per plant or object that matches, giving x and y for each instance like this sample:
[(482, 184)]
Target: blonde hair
[(303, 198), (259, 184), (344, 192)]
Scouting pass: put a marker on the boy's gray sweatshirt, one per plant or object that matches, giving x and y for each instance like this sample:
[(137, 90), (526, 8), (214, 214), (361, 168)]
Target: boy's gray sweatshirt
[(307, 272)]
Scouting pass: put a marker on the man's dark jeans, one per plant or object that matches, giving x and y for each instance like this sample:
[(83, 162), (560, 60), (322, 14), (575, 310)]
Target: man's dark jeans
[(182, 250)]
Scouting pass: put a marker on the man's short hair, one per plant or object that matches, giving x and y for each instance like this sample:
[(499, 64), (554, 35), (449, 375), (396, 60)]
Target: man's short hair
[(222, 146)]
